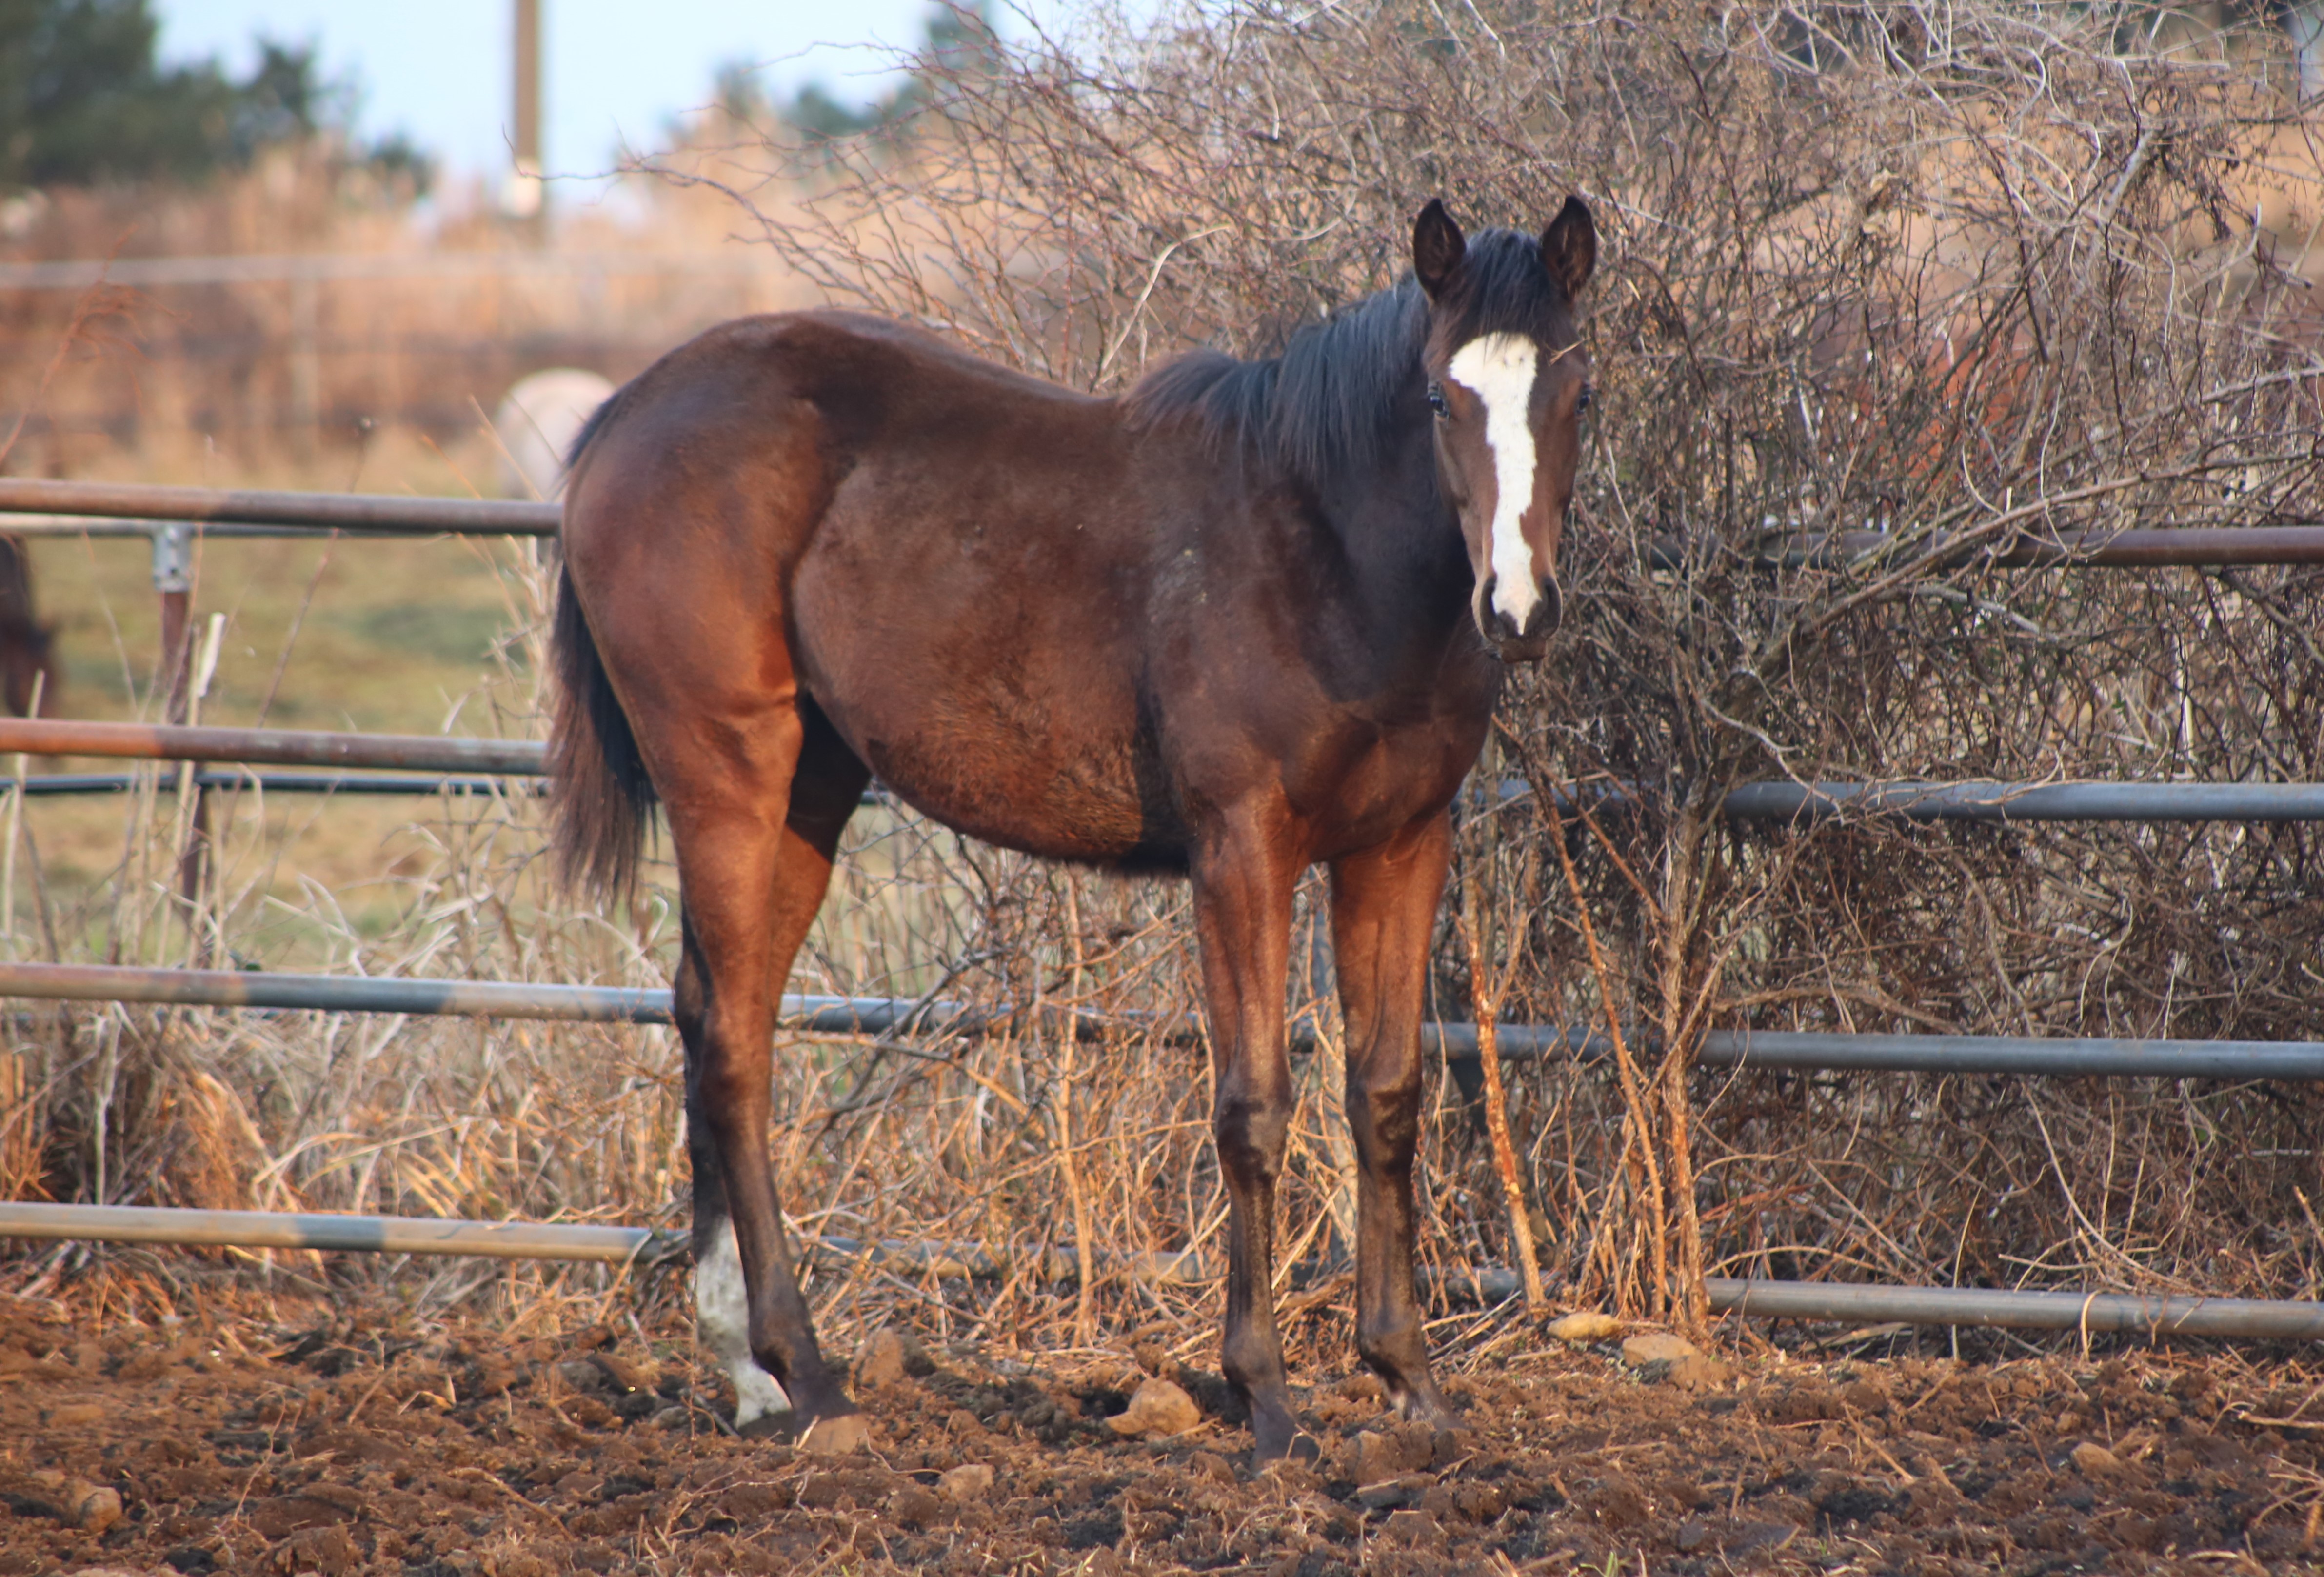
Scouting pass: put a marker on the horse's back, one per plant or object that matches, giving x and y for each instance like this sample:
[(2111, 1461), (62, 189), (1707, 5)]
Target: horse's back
[(958, 560)]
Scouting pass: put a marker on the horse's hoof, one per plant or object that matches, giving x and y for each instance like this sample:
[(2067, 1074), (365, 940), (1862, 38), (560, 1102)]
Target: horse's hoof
[(778, 1425), (836, 1435), (1288, 1443), (1304, 1451), (1428, 1406)]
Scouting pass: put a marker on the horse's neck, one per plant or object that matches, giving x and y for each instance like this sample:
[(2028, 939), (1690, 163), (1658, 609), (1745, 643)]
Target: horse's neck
[(1402, 540)]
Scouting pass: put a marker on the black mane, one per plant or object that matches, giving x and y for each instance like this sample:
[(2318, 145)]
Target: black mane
[(1323, 402)]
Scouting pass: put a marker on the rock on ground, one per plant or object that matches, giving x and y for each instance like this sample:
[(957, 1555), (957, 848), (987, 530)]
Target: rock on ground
[(1158, 1408), (1586, 1325)]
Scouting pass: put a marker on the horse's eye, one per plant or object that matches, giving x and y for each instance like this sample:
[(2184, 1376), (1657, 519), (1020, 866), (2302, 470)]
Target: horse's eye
[(1436, 402), (1582, 404)]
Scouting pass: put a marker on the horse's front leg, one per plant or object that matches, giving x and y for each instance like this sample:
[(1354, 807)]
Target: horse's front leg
[(1244, 873), (1383, 907)]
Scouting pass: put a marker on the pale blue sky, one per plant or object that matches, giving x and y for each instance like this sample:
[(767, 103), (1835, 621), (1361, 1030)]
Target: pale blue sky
[(438, 69)]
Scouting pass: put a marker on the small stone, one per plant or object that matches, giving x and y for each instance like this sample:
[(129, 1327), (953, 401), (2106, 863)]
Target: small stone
[(2095, 1460), (1378, 1457), (1404, 1491), (1447, 1446), (580, 1376), (1158, 1408), (1691, 1535), (629, 1375), (882, 1361), (1656, 1346), (671, 1417), (1698, 1373), (969, 1483), (79, 1415), (913, 1505), (1586, 1325), (91, 1507)]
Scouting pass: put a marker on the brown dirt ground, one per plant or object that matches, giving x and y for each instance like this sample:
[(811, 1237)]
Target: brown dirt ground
[(272, 1439)]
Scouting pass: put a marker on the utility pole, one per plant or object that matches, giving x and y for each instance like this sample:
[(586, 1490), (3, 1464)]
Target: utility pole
[(525, 199)]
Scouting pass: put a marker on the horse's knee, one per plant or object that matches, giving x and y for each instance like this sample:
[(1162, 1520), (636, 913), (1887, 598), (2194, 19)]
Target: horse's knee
[(1252, 1130), (1384, 1114)]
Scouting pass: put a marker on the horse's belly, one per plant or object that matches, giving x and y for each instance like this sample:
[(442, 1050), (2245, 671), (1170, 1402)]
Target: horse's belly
[(994, 772)]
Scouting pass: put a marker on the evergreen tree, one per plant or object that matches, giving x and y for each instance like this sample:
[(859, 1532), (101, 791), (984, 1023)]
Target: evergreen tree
[(84, 102)]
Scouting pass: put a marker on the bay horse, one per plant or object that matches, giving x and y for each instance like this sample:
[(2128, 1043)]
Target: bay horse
[(1250, 617)]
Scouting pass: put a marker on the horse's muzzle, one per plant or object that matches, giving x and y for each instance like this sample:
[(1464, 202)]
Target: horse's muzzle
[(1502, 632)]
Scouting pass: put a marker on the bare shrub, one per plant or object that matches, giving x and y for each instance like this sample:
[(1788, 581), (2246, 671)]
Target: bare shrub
[(1948, 279)]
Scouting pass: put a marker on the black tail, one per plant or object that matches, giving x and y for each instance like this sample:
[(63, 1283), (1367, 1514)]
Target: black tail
[(602, 799)]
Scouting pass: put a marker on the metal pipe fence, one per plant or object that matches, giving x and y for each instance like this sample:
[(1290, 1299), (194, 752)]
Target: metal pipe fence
[(1784, 1050), (47, 785), (166, 514), (53, 736), (2130, 1314), (385, 514), (1977, 801), (2099, 547), (1972, 801)]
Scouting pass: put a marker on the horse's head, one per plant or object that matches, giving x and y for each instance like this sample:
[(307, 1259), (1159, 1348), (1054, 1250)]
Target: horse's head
[(1508, 380)]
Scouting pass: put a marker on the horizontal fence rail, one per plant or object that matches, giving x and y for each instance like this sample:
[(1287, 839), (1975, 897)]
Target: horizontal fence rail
[(384, 514), (38, 785), (286, 747), (19, 523), (829, 1015), (2139, 547), (379, 1234), (1837, 1051), (2261, 1319), (2005, 802), (332, 267), (2115, 1312), (388, 514), (1975, 800), (2023, 1055)]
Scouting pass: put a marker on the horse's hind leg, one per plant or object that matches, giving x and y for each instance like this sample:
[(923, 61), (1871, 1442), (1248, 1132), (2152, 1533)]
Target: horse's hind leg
[(1383, 905), (751, 887)]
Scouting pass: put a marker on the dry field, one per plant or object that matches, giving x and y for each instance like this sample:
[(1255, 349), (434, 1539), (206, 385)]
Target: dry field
[(197, 1430)]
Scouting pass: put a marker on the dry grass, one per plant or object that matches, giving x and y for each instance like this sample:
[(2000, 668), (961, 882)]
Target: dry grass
[(1973, 274), (277, 385)]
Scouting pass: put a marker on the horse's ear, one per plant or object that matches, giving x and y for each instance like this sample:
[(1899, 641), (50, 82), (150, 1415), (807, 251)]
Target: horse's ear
[(1569, 247), (1438, 248)]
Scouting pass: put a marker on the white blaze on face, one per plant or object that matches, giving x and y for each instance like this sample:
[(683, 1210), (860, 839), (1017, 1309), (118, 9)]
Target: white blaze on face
[(722, 1311), (1498, 369)]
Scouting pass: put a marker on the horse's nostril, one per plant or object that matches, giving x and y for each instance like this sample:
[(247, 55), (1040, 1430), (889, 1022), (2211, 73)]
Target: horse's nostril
[(1550, 612)]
